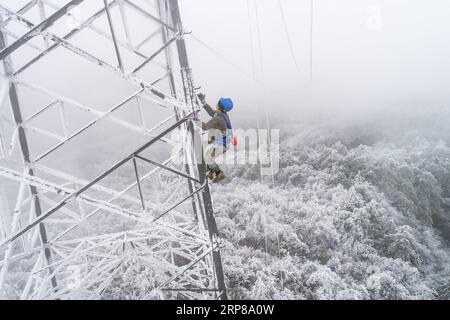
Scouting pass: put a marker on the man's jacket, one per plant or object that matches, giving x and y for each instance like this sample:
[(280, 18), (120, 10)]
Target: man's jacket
[(218, 122)]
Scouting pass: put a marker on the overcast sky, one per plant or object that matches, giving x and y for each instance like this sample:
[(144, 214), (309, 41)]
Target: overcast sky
[(366, 54)]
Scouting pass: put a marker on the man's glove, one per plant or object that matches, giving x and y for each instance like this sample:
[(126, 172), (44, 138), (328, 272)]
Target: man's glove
[(195, 117), (202, 98)]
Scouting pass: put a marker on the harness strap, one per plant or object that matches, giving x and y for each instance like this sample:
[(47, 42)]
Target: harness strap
[(229, 127)]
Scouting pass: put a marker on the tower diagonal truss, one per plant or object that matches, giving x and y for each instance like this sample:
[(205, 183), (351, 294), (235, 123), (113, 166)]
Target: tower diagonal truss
[(102, 173)]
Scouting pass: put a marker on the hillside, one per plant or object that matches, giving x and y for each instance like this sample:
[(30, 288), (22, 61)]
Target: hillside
[(355, 214)]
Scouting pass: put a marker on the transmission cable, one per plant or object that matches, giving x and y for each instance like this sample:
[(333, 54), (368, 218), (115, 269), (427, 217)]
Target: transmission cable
[(225, 59), (250, 30), (288, 36)]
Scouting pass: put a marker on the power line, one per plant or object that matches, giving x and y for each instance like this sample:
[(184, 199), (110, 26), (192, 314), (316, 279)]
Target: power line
[(225, 59), (286, 30)]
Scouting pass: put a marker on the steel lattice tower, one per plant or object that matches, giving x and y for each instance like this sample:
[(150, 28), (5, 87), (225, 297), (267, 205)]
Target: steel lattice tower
[(95, 104)]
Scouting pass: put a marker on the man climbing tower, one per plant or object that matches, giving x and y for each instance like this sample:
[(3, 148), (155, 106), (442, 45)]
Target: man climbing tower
[(220, 134)]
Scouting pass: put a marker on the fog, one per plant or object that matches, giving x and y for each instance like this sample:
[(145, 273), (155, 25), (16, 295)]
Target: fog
[(359, 204), (367, 55), (354, 61)]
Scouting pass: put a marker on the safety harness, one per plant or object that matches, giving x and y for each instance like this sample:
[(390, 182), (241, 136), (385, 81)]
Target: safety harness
[(228, 138)]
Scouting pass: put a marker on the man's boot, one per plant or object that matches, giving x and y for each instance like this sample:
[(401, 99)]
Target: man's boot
[(219, 177), (210, 175)]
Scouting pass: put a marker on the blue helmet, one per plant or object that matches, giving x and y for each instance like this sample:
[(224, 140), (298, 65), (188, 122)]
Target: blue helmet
[(226, 104)]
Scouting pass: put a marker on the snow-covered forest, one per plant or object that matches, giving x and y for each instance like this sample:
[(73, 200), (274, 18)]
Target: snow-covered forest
[(357, 212)]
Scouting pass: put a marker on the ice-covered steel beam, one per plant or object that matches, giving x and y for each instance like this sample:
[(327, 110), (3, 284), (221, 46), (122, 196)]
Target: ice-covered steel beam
[(14, 36), (99, 113), (88, 24), (206, 194), (41, 27), (22, 10), (189, 238), (24, 147), (126, 27), (40, 111), (99, 62), (154, 55), (148, 15), (138, 180), (90, 124), (178, 203), (113, 34), (36, 182), (69, 35), (200, 274), (79, 181), (185, 269), (78, 193), (115, 196), (150, 37)]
